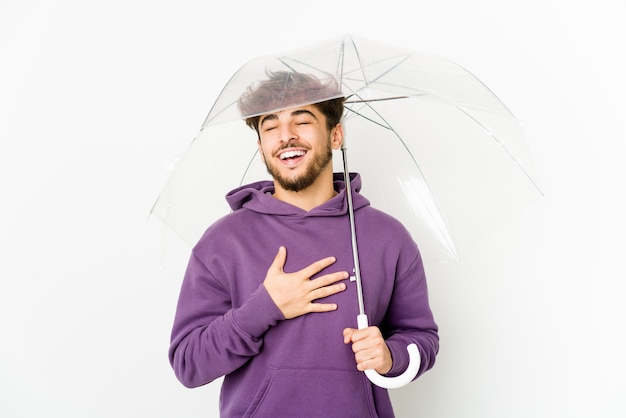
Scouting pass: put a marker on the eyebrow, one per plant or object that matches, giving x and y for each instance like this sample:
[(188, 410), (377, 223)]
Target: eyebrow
[(297, 112)]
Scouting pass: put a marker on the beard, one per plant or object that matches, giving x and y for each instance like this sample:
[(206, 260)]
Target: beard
[(296, 183)]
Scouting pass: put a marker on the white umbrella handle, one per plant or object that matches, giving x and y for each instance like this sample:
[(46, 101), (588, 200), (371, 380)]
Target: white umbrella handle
[(397, 381)]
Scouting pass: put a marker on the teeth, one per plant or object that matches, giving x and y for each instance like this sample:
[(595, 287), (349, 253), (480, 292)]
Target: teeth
[(291, 154)]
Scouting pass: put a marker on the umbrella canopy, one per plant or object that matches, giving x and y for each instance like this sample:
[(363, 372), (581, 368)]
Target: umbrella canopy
[(435, 147)]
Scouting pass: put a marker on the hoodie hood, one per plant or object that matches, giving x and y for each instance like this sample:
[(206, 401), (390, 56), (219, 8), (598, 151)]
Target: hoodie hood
[(258, 197)]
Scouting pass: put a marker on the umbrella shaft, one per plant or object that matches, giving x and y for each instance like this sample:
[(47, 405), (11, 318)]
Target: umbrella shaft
[(355, 250)]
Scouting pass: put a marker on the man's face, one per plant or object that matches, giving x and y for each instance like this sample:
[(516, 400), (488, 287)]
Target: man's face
[(296, 146)]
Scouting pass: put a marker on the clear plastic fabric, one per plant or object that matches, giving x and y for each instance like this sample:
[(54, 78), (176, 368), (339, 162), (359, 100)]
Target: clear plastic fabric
[(434, 146)]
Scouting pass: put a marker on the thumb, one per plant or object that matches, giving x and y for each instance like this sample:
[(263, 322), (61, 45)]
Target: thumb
[(279, 260), (347, 335)]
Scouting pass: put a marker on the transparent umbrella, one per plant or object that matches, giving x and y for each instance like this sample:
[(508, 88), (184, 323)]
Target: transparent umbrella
[(434, 146)]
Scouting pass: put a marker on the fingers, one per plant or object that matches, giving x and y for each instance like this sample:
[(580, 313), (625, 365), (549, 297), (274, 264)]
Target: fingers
[(309, 271), (314, 268), (347, 335), (357, 336), (321, 307), (370, 349), (327, 290)]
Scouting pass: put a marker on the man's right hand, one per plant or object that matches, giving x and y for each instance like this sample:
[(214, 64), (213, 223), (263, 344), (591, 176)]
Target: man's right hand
[(295, 293)]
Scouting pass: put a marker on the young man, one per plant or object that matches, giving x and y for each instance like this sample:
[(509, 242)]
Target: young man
[(267, 301)]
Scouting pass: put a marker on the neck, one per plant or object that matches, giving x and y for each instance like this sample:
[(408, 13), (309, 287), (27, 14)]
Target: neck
[(316, 194)]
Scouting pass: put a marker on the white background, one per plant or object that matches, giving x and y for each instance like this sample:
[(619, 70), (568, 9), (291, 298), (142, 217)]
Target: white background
[(97, 98)]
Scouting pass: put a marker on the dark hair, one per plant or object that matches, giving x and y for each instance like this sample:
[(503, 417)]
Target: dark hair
[(285, 89)]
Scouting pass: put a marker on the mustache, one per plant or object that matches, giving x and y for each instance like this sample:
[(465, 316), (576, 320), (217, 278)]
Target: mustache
[(293, 144)]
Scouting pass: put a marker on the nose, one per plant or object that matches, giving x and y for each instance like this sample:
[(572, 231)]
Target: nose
[(287, 133)]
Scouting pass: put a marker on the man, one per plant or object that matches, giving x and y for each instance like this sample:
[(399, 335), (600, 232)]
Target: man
[(267, 301)]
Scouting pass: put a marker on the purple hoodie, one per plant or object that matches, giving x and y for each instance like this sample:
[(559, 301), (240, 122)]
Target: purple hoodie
[(226, 324)]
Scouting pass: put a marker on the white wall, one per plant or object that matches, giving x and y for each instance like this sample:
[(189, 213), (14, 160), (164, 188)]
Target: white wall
[(96, 98)]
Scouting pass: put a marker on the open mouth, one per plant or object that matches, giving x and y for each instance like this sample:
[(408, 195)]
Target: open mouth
[(291, 156)]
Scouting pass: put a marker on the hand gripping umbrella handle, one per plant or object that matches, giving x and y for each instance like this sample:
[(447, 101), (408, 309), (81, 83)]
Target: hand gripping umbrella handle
[(397, 381)]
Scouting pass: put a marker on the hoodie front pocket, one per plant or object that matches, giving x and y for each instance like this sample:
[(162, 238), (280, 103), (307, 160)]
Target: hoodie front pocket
[(298, 393)]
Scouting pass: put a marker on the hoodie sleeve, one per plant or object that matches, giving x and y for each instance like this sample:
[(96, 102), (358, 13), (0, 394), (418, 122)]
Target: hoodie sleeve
[(409, 319), (210, 337)]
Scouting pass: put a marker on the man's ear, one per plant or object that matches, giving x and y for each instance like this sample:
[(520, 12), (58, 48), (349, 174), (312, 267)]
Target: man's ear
[(336, 137)]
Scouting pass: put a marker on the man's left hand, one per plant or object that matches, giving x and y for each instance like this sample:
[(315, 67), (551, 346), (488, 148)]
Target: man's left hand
[(370, 349)]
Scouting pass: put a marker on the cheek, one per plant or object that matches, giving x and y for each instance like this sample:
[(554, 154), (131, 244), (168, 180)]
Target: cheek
[(260, 150)]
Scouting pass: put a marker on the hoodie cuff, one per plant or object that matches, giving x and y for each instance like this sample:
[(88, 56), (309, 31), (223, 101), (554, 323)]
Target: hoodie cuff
[(400, 357), (258, 314)]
